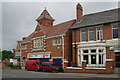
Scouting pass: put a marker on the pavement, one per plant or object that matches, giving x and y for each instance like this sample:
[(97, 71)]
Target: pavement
[(8, 73)]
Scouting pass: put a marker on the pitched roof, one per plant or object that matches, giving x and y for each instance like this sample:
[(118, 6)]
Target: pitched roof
[(45, 14), (60, 28), (98, 18), (28, 38)]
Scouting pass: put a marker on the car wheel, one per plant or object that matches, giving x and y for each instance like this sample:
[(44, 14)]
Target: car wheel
[(53, 71), (36, 69), (43, 70), (27, 69)]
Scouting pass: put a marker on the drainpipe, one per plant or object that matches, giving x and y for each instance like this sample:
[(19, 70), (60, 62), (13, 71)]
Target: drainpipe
[(75, 45), (63, 49)]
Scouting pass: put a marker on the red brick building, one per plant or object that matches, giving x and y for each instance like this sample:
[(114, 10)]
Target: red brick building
[(48, 42), (90, 43), (17, 54), (95, 42)]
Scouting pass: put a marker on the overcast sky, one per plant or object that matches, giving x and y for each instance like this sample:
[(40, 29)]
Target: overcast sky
[(18, 18)]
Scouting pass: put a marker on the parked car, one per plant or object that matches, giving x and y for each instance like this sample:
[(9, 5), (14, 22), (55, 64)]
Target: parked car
[(50, 66), (33, 65)]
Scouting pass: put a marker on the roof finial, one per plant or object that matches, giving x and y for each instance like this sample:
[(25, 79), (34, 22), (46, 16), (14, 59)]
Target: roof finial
[(45, 8)]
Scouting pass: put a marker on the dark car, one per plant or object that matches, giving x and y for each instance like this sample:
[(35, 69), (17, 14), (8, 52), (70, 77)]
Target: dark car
[(50, 66)]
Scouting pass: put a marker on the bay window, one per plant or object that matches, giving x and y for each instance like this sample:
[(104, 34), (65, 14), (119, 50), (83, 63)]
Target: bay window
[(93, 56)]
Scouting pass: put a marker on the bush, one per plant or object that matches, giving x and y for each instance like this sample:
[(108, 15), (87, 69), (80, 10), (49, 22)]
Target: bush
[(15, 67), (9, 64)]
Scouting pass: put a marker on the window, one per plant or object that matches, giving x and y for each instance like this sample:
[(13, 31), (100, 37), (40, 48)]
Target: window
[(115, 31), (100, 58), (85, 51), (38, 43), (83, 36), (93, 59), (93, 51), (91, 34), (85, 57), (57, 41), (24, 46), (98, 33)]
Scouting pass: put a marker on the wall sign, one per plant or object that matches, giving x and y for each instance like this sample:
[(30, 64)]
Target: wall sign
[(38, 55), (115, 48)]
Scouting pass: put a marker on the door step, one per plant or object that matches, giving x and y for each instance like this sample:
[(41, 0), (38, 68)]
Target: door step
[(117, 70)]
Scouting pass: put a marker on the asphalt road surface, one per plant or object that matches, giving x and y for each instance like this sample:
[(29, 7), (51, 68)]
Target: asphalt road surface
[(8, 74)]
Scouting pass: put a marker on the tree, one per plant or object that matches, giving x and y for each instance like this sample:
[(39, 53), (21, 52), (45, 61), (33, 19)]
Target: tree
[(7, 54)]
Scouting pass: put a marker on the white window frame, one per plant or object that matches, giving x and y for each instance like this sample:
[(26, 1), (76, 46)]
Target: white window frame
[(115, 28), (80, 52), (81, 35), (57, 41), (99, 33), (24, 46), (89, 34), (36, 43)]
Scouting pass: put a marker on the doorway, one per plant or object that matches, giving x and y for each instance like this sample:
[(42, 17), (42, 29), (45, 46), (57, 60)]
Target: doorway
[(117, 59)]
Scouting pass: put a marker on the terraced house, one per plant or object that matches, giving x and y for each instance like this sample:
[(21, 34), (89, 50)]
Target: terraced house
[(95, 42), (89, 43)]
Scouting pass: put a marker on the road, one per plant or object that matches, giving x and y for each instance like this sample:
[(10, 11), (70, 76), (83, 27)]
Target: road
[(7, 73)]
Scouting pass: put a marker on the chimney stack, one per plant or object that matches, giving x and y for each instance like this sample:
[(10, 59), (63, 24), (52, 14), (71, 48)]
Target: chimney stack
[(79, 11)]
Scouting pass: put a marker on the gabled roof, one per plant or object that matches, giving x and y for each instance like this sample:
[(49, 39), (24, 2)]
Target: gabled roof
[(28, 38), (98, 18), (46, 15), (60, 29), (44, 28)]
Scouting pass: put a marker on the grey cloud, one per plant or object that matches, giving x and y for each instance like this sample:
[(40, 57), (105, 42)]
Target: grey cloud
[(18, 18)]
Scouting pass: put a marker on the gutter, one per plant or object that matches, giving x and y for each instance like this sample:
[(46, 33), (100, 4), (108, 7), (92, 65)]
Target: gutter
[(55, 36), (63, 49)]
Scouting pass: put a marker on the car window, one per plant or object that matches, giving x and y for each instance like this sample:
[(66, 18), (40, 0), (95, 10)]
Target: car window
[(34, 64), (38, 63)]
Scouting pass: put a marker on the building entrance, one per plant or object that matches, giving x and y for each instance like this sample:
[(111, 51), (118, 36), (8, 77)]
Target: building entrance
[(117, 59)]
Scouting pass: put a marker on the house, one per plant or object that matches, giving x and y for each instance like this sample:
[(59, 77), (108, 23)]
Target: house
[(17, 54), (95, 42), (48, 42)]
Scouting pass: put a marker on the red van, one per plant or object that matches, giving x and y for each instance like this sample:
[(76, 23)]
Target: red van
[(33, 65), (50, 66)]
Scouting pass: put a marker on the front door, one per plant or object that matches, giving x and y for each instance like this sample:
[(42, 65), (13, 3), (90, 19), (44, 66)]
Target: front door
[(117, 59)]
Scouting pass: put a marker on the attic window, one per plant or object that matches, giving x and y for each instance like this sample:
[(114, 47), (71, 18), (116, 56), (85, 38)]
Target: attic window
[(41, 14), (48, 14)]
